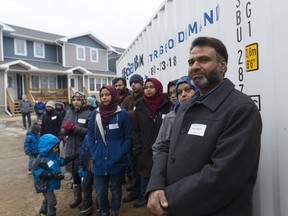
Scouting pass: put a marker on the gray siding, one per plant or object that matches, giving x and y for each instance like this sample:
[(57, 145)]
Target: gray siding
[(86, 41), (50, 51), (71, 58)]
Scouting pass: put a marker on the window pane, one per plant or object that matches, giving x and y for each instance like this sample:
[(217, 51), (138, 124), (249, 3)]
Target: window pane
[(72, 83), (92, 84), (44, 82), (104, 82), (80, 53), (94, 55), (20, 47), (35, 81), (39, 50), (98, 84), (52, 82)]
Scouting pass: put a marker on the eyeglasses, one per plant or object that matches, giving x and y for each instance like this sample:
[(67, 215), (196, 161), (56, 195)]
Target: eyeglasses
[(186, 90), (171, 93)]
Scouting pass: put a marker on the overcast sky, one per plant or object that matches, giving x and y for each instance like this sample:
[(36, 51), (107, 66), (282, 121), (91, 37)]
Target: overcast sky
[(116, 22)]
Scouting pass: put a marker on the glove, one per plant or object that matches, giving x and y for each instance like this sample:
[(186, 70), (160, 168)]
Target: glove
[(71, 158), (60, 136), (57, 176), (81, 172), (69, 127)]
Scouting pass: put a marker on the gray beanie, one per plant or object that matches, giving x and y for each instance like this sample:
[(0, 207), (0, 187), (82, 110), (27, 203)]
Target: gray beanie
[(136, 78), (51, 104)]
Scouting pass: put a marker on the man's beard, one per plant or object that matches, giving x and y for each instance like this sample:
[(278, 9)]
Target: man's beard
[(210, 80), (121, 91)]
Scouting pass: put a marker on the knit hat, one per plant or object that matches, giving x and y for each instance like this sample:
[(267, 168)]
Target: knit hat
[(136, 78), (80, 95), (51, 104), (60, 102), (35, 128)]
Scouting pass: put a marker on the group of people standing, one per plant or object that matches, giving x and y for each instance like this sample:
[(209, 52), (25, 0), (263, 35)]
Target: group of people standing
[(192, 151)]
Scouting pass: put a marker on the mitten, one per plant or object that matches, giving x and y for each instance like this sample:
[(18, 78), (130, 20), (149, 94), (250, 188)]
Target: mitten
[(81, 172), (69, 127), (58, 176), (71, 158)]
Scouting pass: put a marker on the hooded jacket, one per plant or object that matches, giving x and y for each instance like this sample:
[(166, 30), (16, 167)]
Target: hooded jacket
[(48, 161)]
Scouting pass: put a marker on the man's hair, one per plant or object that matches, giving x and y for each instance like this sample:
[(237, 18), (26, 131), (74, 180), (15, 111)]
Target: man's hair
[(211, 42), (115, 80)]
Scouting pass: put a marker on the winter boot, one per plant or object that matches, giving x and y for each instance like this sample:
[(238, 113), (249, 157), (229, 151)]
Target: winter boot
[(86, 211), (77, 196)]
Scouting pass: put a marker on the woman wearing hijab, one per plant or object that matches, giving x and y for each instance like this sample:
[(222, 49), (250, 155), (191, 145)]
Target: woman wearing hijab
[(184, 90), (147, 120), (109, 141), (90, 104)]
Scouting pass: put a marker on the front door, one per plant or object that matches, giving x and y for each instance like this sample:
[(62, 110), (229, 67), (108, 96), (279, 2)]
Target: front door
[(77, 83), (12, 86), (19, 86)]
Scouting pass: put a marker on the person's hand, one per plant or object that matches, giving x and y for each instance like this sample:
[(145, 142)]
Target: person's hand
[(69, 127), (81, 172), (57, 176), (157, 202)]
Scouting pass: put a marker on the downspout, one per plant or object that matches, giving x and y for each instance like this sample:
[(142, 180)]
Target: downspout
[(5, 95)]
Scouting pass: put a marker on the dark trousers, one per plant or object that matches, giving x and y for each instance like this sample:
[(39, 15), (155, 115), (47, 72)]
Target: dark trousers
[(49, 203), (28, 115)]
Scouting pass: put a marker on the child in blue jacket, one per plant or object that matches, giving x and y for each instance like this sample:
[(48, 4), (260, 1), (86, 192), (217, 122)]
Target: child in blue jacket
[(47, 172), (31, 144)]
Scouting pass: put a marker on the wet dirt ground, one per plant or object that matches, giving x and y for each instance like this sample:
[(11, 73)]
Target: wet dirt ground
[(17, 196)]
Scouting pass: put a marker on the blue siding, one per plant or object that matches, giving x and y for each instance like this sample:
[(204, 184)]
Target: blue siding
[(86, 41), (50, 51)]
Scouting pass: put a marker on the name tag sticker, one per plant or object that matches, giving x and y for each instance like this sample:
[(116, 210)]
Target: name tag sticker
[(113, 126), (163, 116), (50, 163), (197, 129), (54, 117), (82, 121)]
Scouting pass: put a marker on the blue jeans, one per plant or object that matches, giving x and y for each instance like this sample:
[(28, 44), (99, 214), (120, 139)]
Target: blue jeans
[(87, 185), (136, 179), (102, 185), (24, 119), (31, 159)]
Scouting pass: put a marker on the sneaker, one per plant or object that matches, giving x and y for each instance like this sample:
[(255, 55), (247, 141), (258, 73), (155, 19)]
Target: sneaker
[(129, 197), (140, 202), (42, 214), (29, 172)]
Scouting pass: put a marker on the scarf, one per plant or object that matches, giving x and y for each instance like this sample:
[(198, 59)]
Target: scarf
[(154, 102), (106, 111)]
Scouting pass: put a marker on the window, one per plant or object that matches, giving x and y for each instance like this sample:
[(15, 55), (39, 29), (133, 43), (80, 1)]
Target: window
[(93, 55), (92, 84), (39, 50), (43, 81), (98, 84), (52, 82), (80, 53), (72, 83), (20, 47), (35, 81), (10, 82)]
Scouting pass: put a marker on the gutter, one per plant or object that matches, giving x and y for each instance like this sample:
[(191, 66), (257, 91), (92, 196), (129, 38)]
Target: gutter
[(5, 96)]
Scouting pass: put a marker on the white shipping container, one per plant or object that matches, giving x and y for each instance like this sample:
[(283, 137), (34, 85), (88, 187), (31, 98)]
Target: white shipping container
[(255, 33)]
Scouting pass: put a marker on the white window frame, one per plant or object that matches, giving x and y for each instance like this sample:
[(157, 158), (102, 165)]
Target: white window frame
[(95, 83), (38, 45), (16, 47), (77, 53), (48, 81), (91, 51)]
